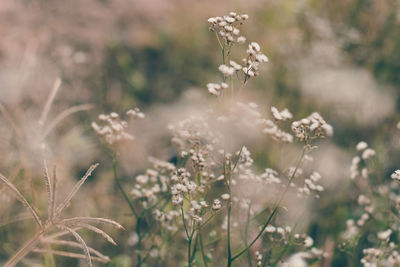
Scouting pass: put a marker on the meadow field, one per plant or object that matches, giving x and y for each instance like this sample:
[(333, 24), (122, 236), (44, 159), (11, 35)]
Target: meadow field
[(200, 133)]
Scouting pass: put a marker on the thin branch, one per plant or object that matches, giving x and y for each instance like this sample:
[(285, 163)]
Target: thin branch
[(97, 231), (68, 254), (54, 196), (16, 218), (22, 199), (49, 189), (49, 102), (22, 252), (75, 245), (80, 240), (75, 189), (10, 120), (93, 220), (63, 115)]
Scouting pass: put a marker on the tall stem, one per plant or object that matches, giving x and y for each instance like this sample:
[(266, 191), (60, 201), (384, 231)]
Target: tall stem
[(124, 194), (132, 208), (24, 250), (246, 233), (202, 247), (229, 214)]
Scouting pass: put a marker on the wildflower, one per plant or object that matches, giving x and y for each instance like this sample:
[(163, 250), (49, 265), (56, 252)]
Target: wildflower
[(368, 153), (363, 200), (225, 196), (281, 115), (308, 242), (216, 204), (384, 236), (226, 26), (396, 175), (311, 127), (226, 70), (114, 130), (253, 60), (362, 146), (296, 261)]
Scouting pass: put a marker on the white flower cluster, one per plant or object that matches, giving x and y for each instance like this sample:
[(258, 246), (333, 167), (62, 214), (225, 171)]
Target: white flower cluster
[(182, 186), (311, 186), (298, 259), (277, 134), (281, 115), (191, 133), (383, 256), (166, 219), (271, 128), (245, 160), (196, 210), (312, 127), (254, 58), (226, 27), (259, 258), (270, 176), (114, 128), (153, 182), (216, 204), (357, 162), (396, 176), (351, 230), (216, 88)]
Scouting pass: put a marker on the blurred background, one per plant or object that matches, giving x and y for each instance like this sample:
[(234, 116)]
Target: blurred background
[(340, 58)]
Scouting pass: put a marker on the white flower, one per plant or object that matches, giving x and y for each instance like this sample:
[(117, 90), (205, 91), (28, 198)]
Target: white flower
[(361, 146), (225, 196), (241, 39), (296, 261), (226, 70), (368, 153), (396, 175), (384, 235), (216, 204)]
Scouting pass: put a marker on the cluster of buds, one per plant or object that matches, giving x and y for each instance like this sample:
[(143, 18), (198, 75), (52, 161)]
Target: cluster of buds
[(166, 218), (310, 185), (253, 60), (226, 27), (357, 162), (196, 210), (182, 186), (283, 115), (114, 128), (216, 88), (148, 186), (312, 127), (271, 128), (383, 256), (270, 176), (396, 176), (216, 204), (259, 258), (231, 69), (277, 134)]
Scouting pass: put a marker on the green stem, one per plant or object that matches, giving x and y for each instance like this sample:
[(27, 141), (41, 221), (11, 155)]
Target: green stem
[(132, 208), (246, 231), (125, 195), (139, 245), (229, 217), (202, 247), (189, 237)]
